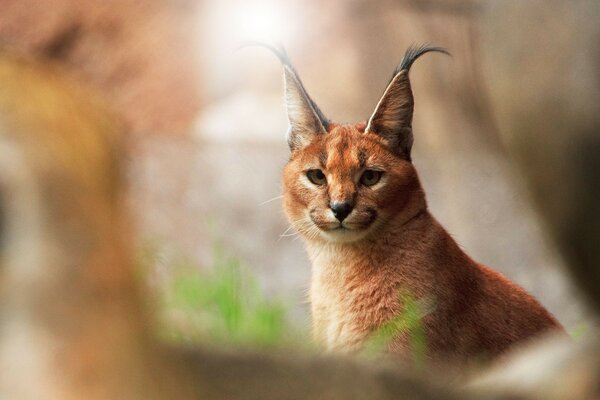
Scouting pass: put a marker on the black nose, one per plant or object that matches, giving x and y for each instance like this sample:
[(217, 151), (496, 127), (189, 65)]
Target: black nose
[(341, 209)]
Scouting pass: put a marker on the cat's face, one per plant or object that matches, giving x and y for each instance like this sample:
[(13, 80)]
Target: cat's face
[(345, 184), (343, 181)]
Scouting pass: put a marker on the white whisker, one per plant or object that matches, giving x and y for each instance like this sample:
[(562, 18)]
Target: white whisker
[(287, 230), (270, 200), (289, 234), (298, 225)]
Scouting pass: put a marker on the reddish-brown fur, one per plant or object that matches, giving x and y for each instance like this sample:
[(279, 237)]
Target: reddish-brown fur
[(393, 243)]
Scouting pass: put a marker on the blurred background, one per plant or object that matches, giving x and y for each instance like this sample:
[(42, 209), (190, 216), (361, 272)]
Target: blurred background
[(206, 127)]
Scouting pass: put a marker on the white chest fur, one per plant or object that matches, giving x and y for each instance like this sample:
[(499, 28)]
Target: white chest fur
[(334, 324)]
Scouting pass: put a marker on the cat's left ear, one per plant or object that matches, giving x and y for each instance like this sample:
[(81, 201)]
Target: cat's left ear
[(392, 118)]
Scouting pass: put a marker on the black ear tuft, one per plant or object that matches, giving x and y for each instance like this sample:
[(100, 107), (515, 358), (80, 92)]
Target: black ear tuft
[(392, 118), (414, 52)]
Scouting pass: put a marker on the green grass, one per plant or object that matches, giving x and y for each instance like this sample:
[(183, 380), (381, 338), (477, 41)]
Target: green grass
[(579, 331), (408, 322), (221, 304)]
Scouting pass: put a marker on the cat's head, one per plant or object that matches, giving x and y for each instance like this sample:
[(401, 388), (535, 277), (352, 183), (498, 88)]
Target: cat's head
[(344, 181)]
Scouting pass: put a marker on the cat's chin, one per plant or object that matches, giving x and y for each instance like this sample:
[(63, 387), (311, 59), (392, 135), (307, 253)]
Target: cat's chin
[(344, 235)]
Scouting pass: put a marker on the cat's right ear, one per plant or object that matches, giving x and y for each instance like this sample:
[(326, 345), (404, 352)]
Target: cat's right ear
[(304, 116)]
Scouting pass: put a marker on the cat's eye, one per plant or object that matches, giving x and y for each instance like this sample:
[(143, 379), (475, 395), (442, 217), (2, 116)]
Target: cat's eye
[(370, 177), (316, 176)]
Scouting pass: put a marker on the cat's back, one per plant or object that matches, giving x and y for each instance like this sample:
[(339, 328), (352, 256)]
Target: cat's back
[(477, 312), (490, 317), (511, 313)]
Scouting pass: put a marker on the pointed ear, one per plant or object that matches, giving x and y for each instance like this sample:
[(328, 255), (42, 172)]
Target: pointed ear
[(392, 118), (305, 118)]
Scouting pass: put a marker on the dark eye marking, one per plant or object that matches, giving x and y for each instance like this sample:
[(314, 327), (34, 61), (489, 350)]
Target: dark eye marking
[(323, 158), (316, 176), (362, 158)]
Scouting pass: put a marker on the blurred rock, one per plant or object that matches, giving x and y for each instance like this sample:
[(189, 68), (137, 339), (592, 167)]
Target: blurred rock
[(551, 369)]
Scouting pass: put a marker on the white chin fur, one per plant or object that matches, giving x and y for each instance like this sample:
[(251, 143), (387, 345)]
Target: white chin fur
[(343, 235)]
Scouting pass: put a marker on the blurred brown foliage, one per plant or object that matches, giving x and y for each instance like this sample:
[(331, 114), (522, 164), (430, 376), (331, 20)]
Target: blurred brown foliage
[(138, 53)]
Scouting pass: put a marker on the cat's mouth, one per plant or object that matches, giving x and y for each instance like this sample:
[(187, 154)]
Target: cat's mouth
[(345, 234), (344, 227), (356, 222)]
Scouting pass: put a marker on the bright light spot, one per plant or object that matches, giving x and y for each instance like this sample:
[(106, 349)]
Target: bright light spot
[(266, 20), (259, 24), (226, 24)]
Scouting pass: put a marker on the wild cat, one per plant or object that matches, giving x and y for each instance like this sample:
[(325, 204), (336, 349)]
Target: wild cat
[(353, 194)]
